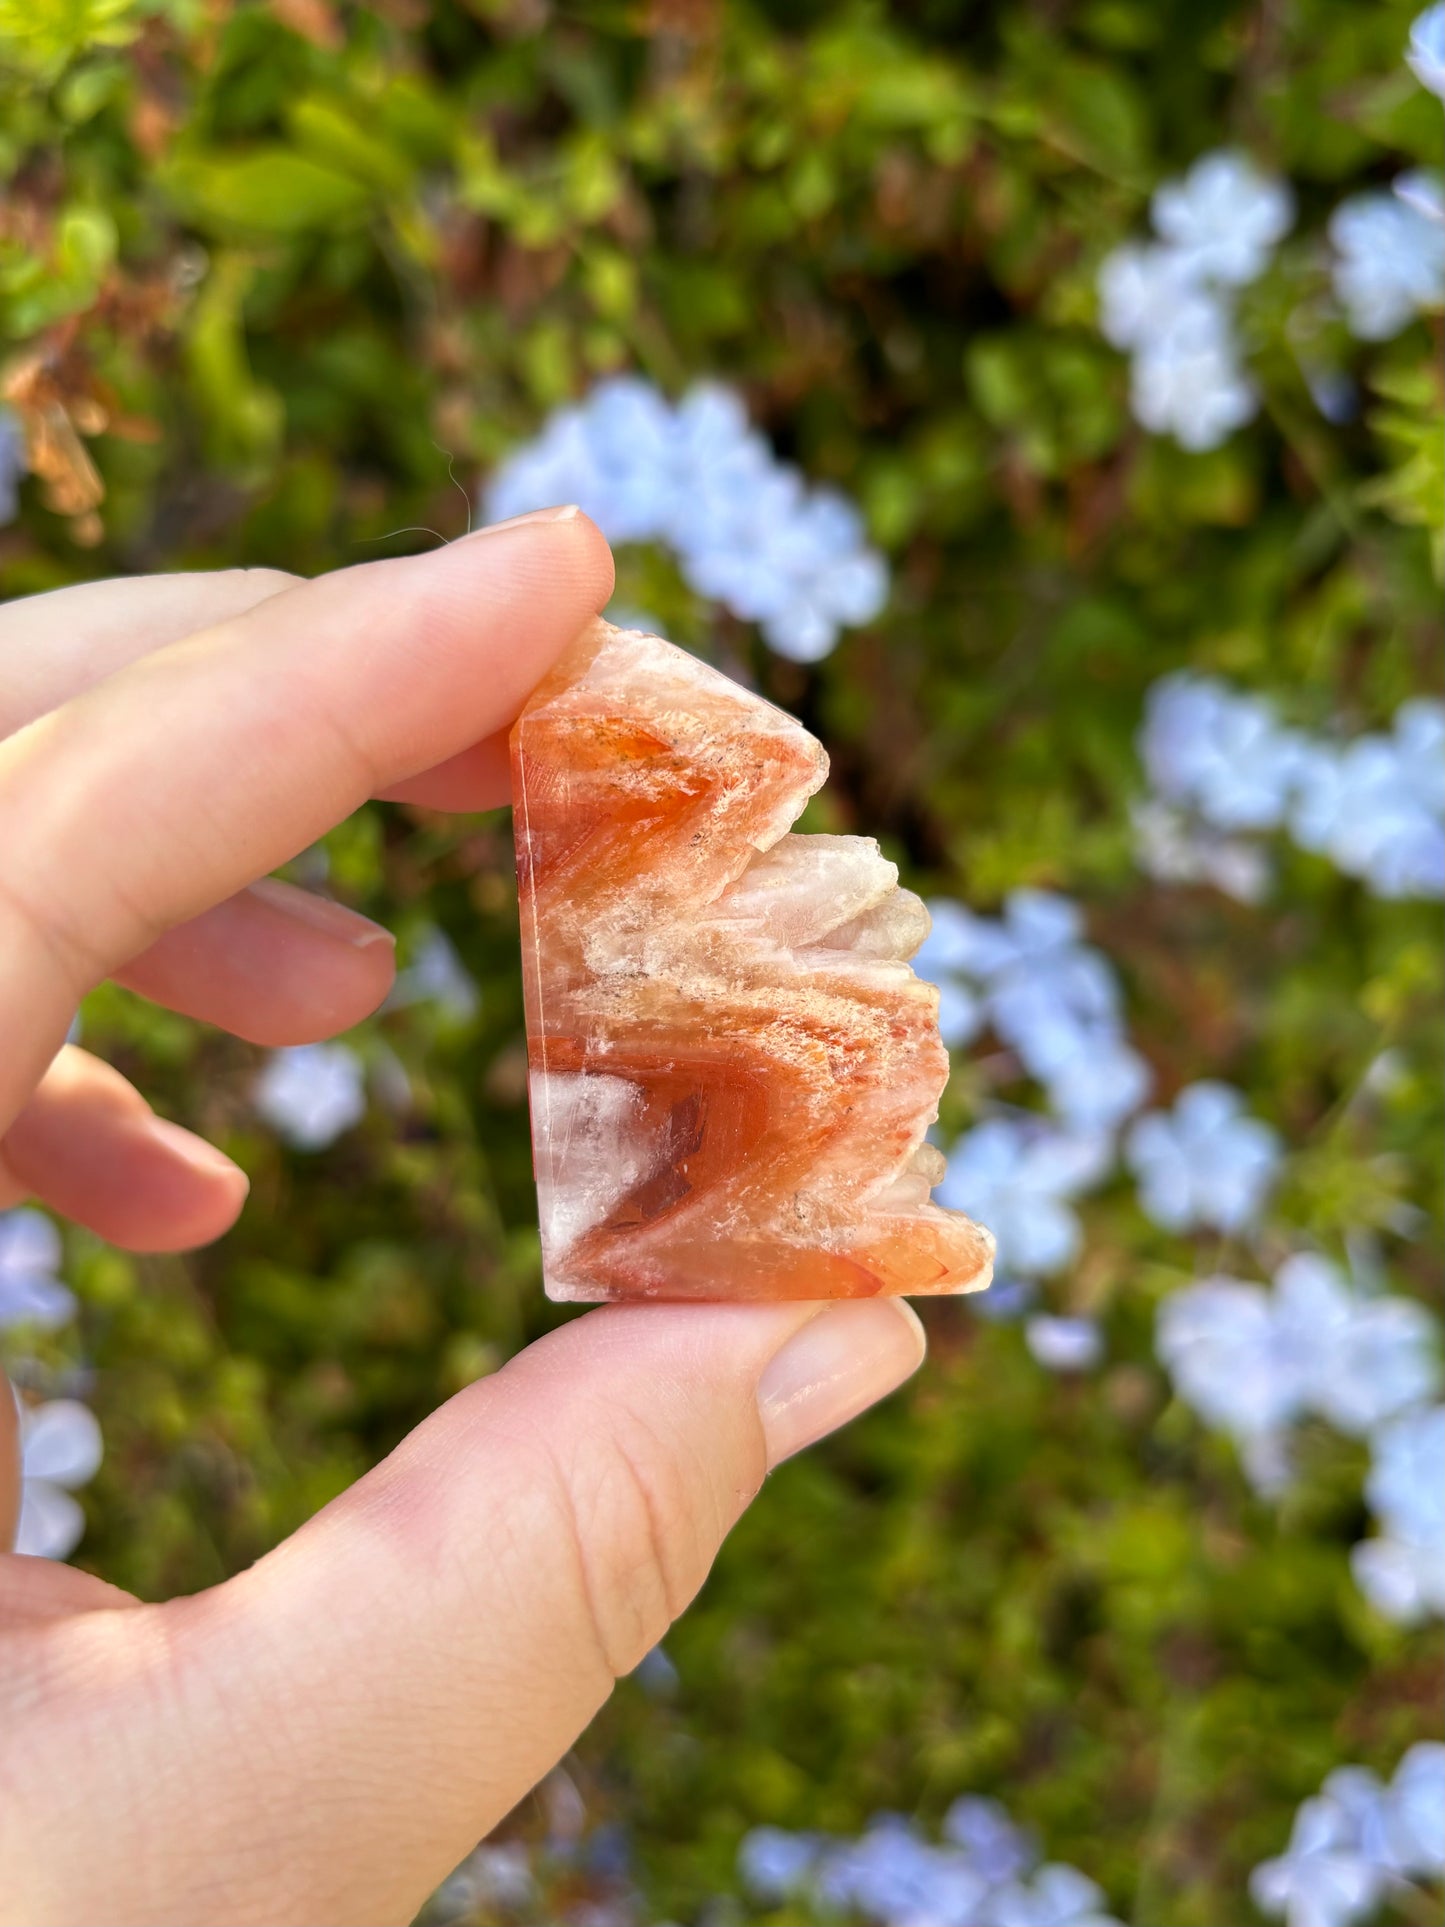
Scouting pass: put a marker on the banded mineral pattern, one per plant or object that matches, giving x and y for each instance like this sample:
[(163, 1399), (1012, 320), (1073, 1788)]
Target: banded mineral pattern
[(732, 1065)]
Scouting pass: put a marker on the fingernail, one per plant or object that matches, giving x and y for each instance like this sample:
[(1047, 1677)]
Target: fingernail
[(566, 512), (189, 1149), (835, 1367), (320, 913)]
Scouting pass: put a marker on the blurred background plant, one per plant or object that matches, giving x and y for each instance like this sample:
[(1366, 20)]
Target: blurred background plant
[(1045, 405)]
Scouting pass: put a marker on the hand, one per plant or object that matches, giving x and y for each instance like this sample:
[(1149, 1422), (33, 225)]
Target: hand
[(323, 1737)]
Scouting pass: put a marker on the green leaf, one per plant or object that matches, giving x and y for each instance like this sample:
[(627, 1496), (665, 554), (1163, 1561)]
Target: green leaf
[(83, 93), (1413, 488), (271, 190), (1098, 115), (335, 137), (242, 418), (85, 242), (42, 37)]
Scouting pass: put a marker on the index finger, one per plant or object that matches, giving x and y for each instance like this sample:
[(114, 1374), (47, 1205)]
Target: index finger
[(56, 644), (189, 773)]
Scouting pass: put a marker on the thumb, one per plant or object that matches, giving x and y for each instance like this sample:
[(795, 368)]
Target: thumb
[(396, 1677)]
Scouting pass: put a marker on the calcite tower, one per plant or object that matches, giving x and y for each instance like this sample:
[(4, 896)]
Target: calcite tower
[(732, 1065)]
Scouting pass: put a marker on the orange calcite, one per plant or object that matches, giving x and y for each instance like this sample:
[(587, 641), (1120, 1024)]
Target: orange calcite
[(732, 1065)]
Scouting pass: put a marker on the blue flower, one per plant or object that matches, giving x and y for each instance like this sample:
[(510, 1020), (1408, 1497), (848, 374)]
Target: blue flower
[(1389, 262), (1172, 849), (1422, 190), (777, 1865), (656, 1674), (893, 1876), (1364, 1801), (1402, 1570), (1043, 1003), (746, 529), (1034, 923), (1187, 381), (1252, 1361), (1098, 1084), (1172, 305), (1426, 54), (1064, 1344), (996, 1848), (1005, 1301), (436, 975), (1048, 991), (1017, 1177), (1375, 807), (1361, 1360), (1416, 1804), (956, 944), (1418, 730), (60, 1449), (13, 465), (491, 1876), (1049, 996), (1141, 289), (311, 1093), (961, 1014), (1057, 1896), (1219, 751), (1322, 1879), (1371, 810), (1399, 1828), (1224, 218), (1219, 1342), (1205, 1163), (1356, 1838), (30, 1290)]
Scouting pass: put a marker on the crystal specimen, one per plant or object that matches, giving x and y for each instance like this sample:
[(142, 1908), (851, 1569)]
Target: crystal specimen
[(732, 1065)]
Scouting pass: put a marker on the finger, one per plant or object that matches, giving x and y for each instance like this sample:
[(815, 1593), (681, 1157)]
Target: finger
[(34, 1589), (53, 646), (88, 1145), (478, 779), (273, 964), (174, 783), (433, 1641)]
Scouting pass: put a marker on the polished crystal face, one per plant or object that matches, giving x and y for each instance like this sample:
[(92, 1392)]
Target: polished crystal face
[(732, 1064)]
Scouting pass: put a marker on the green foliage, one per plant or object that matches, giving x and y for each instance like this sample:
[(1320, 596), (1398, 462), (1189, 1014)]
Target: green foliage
[(316, 256), (45, 36), (1413, 489)]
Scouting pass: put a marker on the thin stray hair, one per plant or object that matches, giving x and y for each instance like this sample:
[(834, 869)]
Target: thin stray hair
[(421, 528)]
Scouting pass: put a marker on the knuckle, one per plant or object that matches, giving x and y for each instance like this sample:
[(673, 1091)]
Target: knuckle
[(41, 920), (639, 1520), (350, 750)]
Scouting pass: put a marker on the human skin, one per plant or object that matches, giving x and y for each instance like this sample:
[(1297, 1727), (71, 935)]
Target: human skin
[(321, 1738)]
